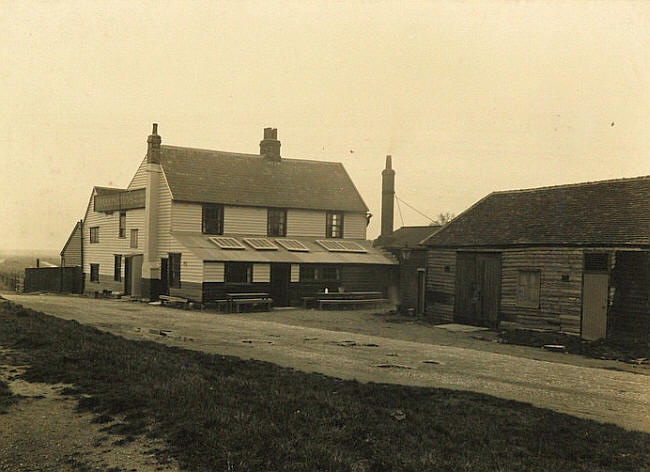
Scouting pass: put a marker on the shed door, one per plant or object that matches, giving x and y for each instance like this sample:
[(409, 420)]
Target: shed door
[(478, 288), (594, 305)]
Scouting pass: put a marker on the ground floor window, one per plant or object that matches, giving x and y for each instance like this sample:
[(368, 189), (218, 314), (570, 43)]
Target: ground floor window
[(117, 274), (239, 272), (323, 273), (528, 288), (174, 270), (94, 272)]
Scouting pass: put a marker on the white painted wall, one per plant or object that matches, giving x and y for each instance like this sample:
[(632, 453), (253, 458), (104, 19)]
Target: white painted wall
[(102, 253), (354, 225)]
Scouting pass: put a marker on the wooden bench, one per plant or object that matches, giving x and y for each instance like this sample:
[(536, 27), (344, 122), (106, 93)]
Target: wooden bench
[(236, 300), (351, 299), (174, 300)]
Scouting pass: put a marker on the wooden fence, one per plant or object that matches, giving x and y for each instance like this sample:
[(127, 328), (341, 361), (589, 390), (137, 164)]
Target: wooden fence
[(53, 279)]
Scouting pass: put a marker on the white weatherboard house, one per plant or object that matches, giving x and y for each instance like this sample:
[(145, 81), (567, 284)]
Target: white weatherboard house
[(197, 224)]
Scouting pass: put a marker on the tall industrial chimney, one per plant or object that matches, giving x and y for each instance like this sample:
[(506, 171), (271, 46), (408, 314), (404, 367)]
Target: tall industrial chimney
[(387, 198)]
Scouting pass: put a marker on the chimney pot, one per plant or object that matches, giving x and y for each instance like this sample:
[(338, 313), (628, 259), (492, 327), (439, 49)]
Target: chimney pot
[(155, 129), (153, 146)]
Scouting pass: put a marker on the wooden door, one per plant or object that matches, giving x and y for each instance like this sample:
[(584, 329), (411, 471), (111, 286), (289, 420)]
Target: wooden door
[(280, 274), (164, 276), (594, 305), (478, 288), (127, 276), (421, 290)]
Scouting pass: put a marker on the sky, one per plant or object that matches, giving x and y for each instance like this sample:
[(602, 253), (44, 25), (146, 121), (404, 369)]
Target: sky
[(468, 97)]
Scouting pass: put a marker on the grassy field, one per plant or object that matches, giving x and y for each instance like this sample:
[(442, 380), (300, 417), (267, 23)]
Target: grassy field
[(224, 413)]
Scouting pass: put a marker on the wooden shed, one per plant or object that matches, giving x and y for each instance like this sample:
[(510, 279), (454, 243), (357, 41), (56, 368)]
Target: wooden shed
[(573, 258)]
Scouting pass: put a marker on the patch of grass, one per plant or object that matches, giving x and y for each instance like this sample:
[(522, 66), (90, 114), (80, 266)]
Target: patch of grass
[(621, 349), (223, 413)]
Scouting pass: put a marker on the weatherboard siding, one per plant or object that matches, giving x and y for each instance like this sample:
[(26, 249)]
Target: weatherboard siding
[(186, 217), (354, 225), (310, 223), (261, 272), (191, 266), (164, 217), (72, 253), (244, 220), (560, 302), (213, 272), (139, 180), (110, 243), (440, 282)]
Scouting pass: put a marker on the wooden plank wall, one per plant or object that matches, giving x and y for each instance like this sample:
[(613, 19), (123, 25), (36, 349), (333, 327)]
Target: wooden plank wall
[(305, 223), (72, 253), (441, 275), (354, 225), (560, 303)]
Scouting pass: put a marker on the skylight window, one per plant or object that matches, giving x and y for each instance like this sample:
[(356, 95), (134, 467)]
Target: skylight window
[(227, 243), (261, 244), (341, 246), (292, 245)]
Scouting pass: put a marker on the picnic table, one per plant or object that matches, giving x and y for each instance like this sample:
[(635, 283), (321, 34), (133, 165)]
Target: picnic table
[(253, 299), (351, 299)]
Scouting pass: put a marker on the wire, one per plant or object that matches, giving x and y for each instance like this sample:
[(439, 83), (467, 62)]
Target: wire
[(399, 209), (414, 209)]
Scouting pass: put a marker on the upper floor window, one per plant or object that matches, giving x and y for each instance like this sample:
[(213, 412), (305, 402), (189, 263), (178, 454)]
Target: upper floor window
[(122, 230), (134, 238), (212, 219), (94, 234), (276, 222), (174, 269), (334, 226)]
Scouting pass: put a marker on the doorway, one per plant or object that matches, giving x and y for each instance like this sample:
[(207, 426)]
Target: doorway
[(595, 286), (164, 276), (421, 290), (280, 276), (127, 276), (478, 288)]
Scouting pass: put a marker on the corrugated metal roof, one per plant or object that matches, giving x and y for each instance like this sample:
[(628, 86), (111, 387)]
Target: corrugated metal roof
[(608, 213), (200, 245), (198, 175)]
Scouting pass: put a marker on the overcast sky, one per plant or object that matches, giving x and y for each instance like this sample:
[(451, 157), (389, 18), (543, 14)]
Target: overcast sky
[(468, 97)]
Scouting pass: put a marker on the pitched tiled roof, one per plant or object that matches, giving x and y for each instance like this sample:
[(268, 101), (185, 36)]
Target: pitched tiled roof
[(407, 236), (609, 212), (198, 175)]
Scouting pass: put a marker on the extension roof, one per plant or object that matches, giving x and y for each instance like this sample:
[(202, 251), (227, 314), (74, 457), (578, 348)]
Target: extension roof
[(198, 175), (605, 213), (407, 236)]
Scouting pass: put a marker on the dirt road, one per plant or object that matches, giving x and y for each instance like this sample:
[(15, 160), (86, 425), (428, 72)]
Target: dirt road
[(364, 347)]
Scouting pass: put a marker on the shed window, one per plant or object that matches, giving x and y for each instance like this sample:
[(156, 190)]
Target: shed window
[(597, 261), (239, 273), (276, 222), (94, 272), (117, 273), (334, 225), (134, 238), (528, 287), (94, 234), (122, 230), (174, 270), (212, 219)]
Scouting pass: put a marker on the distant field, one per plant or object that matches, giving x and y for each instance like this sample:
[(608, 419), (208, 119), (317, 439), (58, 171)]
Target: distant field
[(224, 413)]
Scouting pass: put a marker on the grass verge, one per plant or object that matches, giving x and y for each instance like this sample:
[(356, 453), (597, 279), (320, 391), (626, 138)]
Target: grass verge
[(620, 349), (224, 413)]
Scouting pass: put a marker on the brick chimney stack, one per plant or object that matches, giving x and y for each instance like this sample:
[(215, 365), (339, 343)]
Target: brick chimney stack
[(153, 146), (270, 146), (387, 198)]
